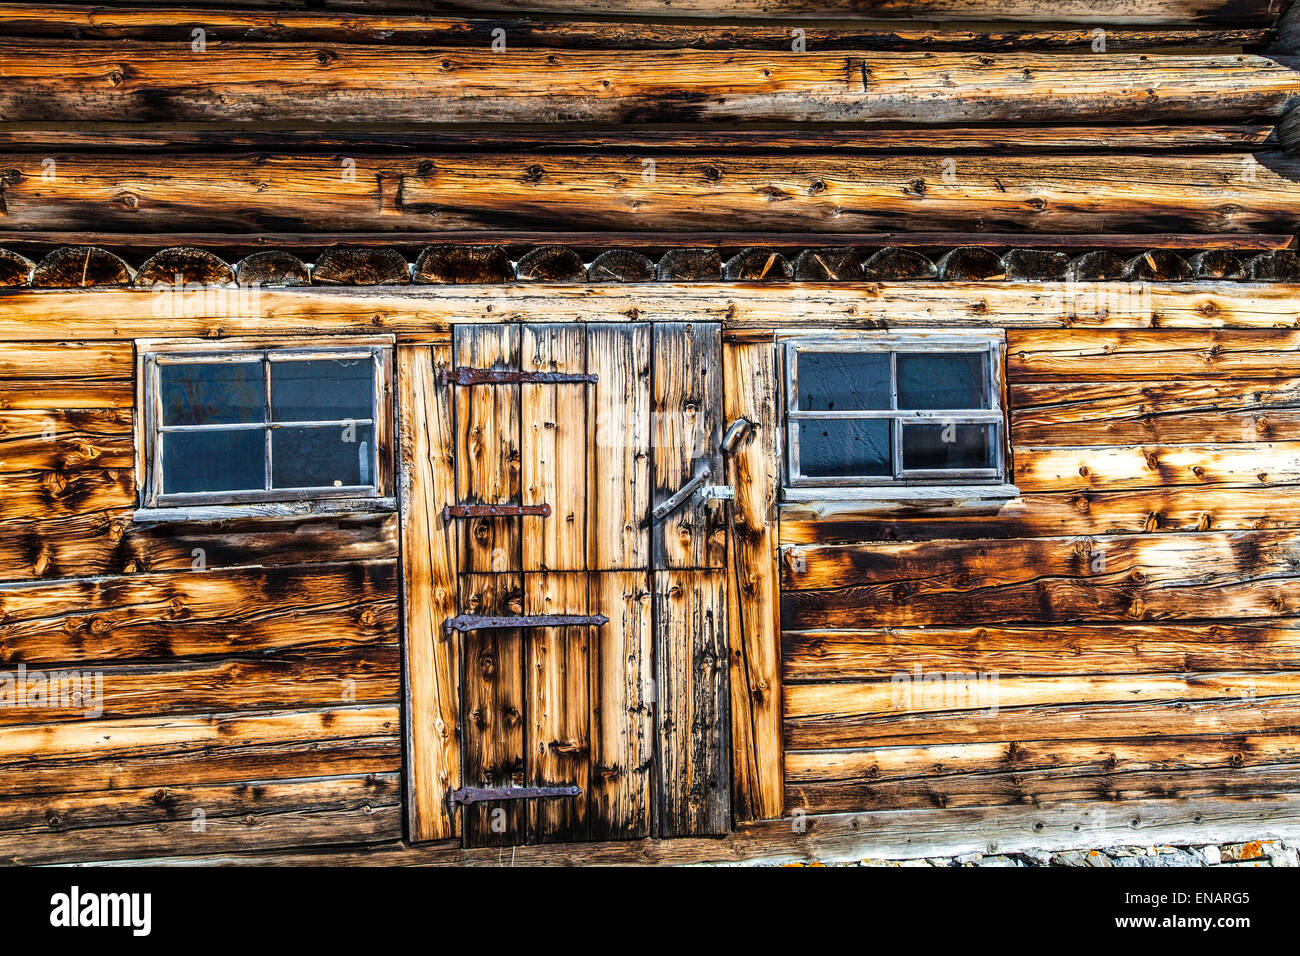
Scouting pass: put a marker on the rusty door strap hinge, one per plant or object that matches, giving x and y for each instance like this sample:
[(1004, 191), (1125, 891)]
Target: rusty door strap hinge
[(493, 511), (495, 376), (467, 795), (479, 622)]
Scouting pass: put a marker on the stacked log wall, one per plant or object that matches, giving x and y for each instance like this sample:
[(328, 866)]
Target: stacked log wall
[(1126, 629), (242, 679)]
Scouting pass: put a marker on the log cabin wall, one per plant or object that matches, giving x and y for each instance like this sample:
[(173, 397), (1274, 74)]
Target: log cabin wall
[(1133, 602)]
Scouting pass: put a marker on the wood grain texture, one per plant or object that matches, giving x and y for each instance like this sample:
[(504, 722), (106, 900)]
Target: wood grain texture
[(1049, 580), (145, 23), (430, 591), (51, 316), (623, 706), (487, 454), (751, 392), (618, 416), (211, 614), (289, 814), (697, 191), (886, 834), (559, 706), (1040, 772), (494, 709), (883, 653), (254, 82), (694, 736), (1173, 508), (686, 418), (553, 460)]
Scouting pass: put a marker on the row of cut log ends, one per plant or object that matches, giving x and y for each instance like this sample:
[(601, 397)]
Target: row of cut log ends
[(90, 266)]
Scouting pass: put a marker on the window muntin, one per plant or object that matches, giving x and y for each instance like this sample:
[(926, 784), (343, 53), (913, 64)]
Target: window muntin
[(264, 424), (895, 409)]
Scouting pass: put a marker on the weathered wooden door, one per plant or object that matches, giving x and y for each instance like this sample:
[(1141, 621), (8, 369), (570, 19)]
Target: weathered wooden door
[(552, 444)]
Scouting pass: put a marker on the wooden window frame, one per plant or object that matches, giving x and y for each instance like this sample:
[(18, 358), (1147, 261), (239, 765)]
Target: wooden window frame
[(902, 483), (152, 354)]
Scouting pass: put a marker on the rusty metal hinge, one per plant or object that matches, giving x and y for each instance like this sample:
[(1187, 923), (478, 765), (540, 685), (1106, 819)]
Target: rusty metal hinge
[(480, 622), (494, 376), (494, 511), (468, 795)]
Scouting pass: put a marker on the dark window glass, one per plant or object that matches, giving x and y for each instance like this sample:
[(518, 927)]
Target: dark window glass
[(843, 381), (212, 393), (844, 448), (202, 461), (324, 457), (322, 390), (952, 380), (942, 446)]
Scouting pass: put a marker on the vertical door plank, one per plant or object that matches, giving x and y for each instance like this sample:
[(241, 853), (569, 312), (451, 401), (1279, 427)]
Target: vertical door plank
[(622, 729), (487, 447), (487, 472), (429, 591), (554, 452), (618, 422), (494, 711), (686, 415), (753, 590), (693, 737), (559, 706)]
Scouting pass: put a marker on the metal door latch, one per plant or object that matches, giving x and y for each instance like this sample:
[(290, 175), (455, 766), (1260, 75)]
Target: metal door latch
[(679, 497), (469, 795)]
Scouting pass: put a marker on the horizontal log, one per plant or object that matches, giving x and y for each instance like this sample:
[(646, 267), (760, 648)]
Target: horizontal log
[(41, 817), (96, 543), (326, 755), (1087, 11), (975, 699), (892, 653), (55, 494), (1136, 355), (1042, 580), (976, 139), (1174, 508), (1070, 721), (1069, 757), (851, 837), (145, 23), (1113, 771), (51, 316), (115, 742), (188, 614), (1112, 468), (361, 818), (921, 567), (1194, 193), (252, 82), (1133, 413), (282, 681)]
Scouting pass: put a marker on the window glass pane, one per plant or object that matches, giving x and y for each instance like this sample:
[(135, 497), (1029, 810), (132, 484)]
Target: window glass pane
[(211, 393), (322, 390), (327, 457), (213, 461), (951, 380), (948, 446), (845, 448), (843, 381)]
